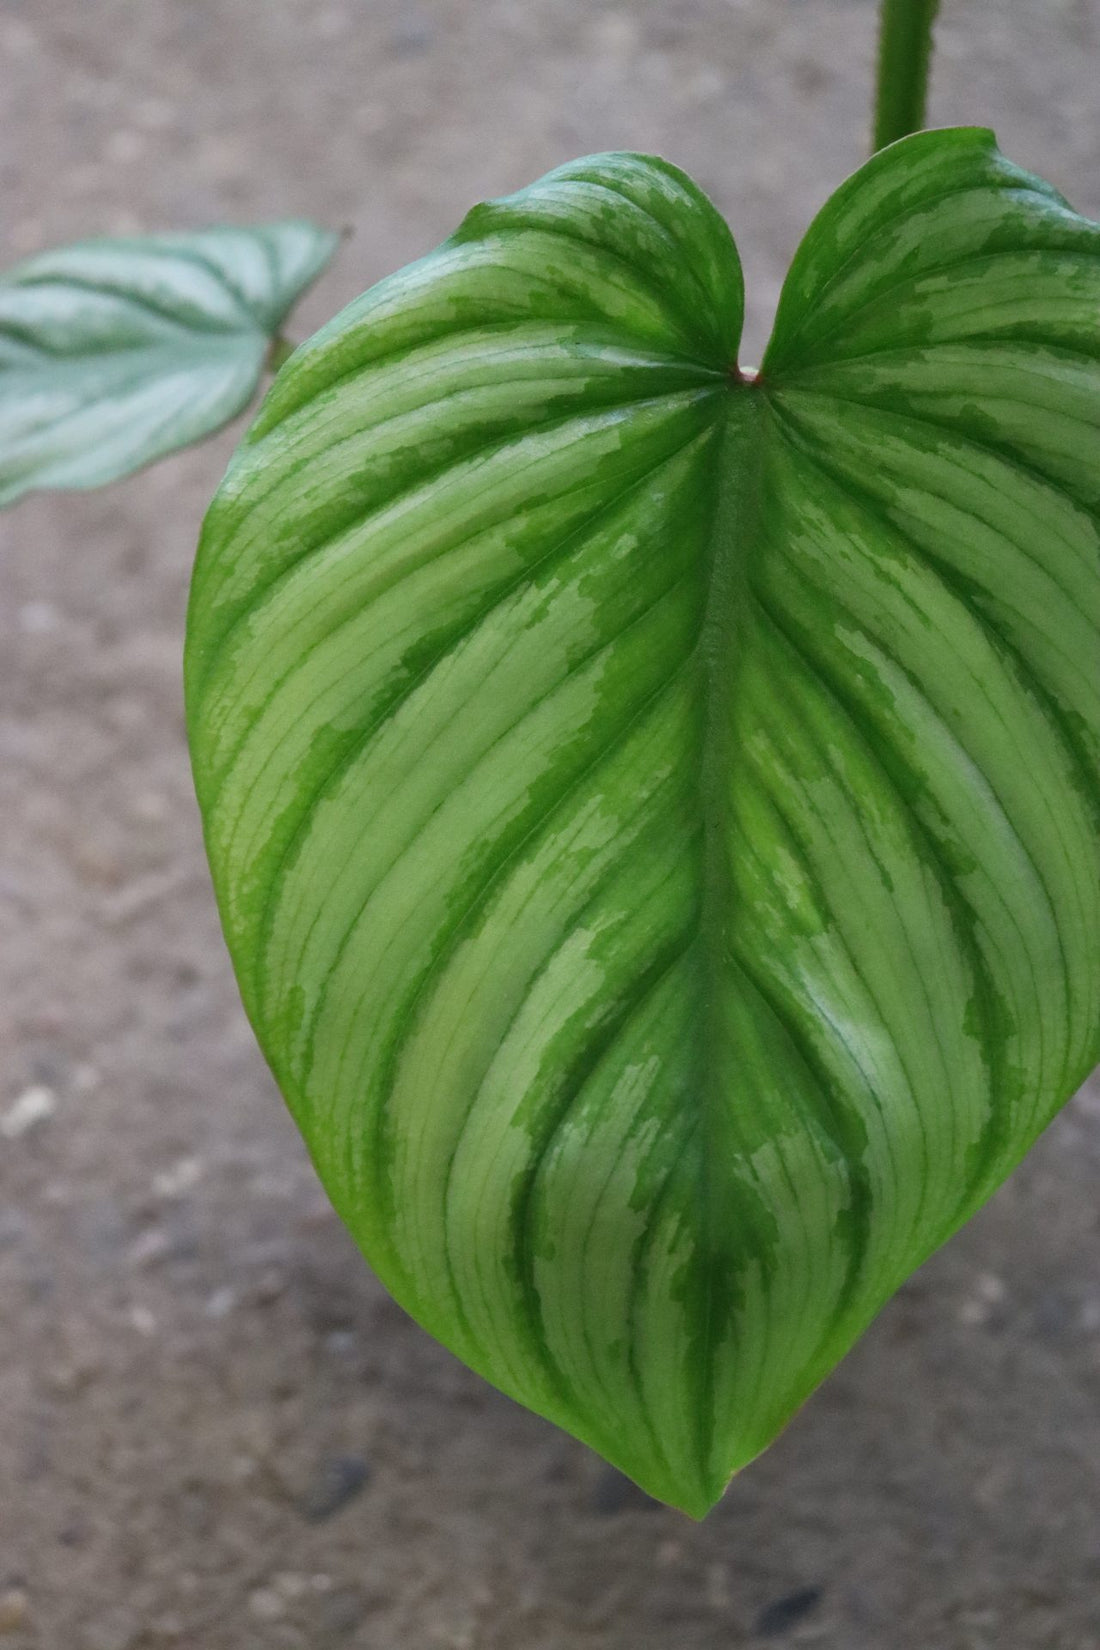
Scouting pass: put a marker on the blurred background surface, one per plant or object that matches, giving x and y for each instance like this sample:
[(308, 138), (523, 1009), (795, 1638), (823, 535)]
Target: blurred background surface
[(215, 1430)]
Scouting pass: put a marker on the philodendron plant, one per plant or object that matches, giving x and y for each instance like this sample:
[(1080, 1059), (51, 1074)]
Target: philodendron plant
[(653, 804)]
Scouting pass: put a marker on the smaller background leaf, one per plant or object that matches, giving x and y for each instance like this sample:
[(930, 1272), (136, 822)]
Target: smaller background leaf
[(116, 352)]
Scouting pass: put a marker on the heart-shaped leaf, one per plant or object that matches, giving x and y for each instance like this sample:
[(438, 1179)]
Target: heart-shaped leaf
[(115, 352), (654, 809)]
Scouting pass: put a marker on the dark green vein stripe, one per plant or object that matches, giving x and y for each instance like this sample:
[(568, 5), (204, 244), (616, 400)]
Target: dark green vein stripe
[(960, 435), (970, 260), (359, 741), (967, 593), (1075, 764), (192, 319), (966, 922), (263, 590), (601, 1043), (493, 878), (687, 273)]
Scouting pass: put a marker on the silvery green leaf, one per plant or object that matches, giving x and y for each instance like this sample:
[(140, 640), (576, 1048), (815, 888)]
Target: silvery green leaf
[(654, 809), (115, 352)]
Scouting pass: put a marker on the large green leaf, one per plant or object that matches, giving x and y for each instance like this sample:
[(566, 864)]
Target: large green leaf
[(115, 352), (653, 810)]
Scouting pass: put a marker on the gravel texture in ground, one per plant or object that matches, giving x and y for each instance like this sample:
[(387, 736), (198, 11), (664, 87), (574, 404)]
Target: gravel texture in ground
[(216, 1432)]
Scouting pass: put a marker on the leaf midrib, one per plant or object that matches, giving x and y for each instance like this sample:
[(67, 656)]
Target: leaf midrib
[(736, 510)]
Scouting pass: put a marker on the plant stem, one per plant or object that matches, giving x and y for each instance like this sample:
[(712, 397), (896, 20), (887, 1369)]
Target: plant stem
[(904, 53), (279, 351)]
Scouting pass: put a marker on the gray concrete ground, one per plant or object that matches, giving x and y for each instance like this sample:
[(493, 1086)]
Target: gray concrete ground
[(215, 1430)]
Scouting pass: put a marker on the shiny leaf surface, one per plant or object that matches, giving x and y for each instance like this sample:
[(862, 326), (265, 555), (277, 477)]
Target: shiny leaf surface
[(653, 809), (115, 352)]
